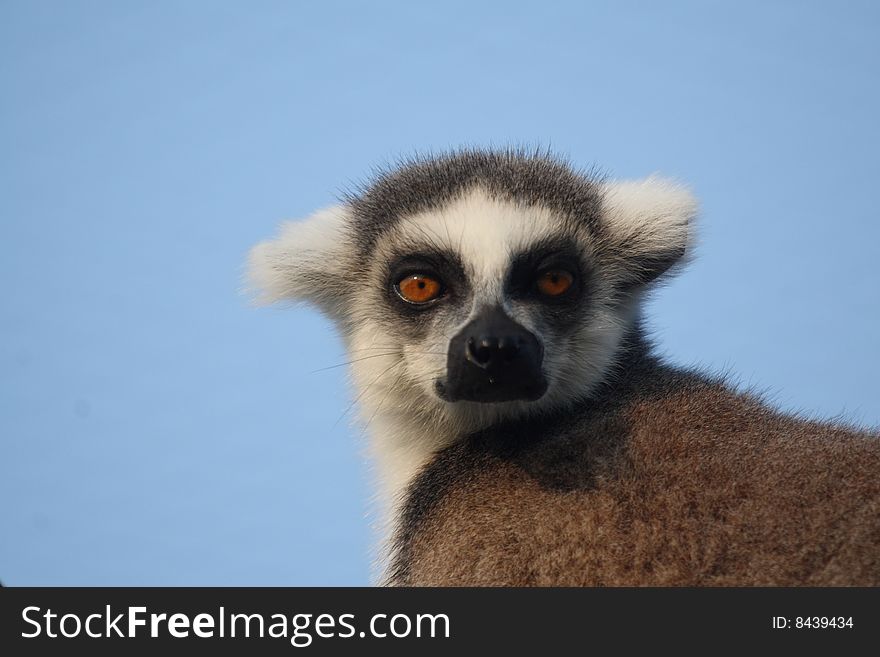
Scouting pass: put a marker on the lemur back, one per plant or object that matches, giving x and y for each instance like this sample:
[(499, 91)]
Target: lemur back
[(669, 478)]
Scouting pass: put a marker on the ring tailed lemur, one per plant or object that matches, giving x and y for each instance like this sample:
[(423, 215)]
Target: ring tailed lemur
[(524, 432)]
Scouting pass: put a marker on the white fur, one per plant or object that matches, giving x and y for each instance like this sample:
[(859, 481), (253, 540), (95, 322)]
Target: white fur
[(284, 268), (483, 231), (649, 215)]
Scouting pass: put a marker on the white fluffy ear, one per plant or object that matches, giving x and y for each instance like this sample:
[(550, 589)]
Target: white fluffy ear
[(309, 261), (650, 224)]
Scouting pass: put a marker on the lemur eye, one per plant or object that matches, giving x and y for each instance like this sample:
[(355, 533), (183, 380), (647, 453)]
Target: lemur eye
[(419, 288), (555, 282)]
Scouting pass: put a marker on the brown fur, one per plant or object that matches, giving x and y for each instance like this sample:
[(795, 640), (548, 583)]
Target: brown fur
[(672, 479)]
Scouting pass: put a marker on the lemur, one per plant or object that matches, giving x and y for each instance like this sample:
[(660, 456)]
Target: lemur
[(524, 431)]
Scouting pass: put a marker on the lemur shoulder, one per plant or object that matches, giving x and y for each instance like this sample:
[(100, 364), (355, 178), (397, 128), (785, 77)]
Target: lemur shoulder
[(524, 432)]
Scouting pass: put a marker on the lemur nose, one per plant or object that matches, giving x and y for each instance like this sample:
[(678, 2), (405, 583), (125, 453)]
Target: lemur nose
[(487, 350), (494, 359)]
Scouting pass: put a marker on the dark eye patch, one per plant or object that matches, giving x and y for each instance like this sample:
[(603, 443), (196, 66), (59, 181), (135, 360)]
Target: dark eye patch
[(443, 266), (566, 310), (528, 265)]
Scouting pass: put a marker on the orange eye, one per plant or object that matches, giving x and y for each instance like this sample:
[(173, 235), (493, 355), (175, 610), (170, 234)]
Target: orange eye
[(555, 282), (419, 288)]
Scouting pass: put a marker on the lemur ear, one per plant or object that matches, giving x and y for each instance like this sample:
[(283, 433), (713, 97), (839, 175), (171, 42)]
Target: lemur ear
[(307, 261), (650, 226)]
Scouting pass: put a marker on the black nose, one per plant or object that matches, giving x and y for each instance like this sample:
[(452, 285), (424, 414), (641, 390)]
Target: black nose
[(488, 350), (494, 359)]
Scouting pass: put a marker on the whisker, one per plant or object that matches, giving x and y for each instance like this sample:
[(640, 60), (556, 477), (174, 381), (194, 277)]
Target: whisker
[(365, 390), (446, 226), (378, 346), (350, 362), (381, 403), (362, 358), (397, 348)]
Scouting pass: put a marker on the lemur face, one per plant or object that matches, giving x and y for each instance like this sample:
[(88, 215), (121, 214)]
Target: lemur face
[(480, 285), (487, 300)]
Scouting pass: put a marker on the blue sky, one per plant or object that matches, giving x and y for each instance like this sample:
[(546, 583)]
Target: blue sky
[(155, 429)]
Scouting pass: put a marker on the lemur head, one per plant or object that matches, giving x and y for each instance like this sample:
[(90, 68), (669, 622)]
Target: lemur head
[(480, 285)]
